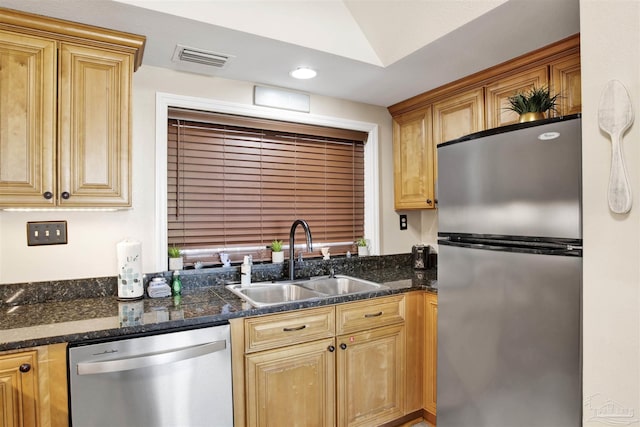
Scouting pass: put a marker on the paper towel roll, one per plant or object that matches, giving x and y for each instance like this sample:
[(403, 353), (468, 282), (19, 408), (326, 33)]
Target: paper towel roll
[(130, 284)]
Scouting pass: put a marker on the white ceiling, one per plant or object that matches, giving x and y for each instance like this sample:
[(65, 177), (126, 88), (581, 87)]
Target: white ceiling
[(373, 51)]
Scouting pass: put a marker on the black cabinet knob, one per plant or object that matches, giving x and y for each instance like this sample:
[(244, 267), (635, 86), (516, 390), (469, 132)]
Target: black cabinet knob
[(25, 367), (331, 348), (429, 201), (343, 346), (65, 195), (47, 195)]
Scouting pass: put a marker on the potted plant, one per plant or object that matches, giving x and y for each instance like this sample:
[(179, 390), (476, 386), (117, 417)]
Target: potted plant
[(175, 259), (277, 255), (363, 247), (533, 105)]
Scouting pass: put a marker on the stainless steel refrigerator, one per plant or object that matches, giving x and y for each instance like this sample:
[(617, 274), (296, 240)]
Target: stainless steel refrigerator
[(510, 277)]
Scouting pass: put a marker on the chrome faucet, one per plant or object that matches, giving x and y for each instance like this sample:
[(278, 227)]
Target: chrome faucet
[(292, 239)]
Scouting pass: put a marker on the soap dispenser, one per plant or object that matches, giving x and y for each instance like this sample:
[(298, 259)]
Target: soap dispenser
[(176, 284), (245, 271)]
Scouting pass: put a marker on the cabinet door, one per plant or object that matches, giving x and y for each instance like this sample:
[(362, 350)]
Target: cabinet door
[(413, 161), (458, 115), (18, 389), (414, 351), (292, 386), (499, 92), (430, 351), (94, 151), (566, 80), (27, 120), (369, 374)]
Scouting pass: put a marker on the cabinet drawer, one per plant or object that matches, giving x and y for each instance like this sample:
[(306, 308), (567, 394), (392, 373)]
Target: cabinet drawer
[(279, 330), (369, 314)]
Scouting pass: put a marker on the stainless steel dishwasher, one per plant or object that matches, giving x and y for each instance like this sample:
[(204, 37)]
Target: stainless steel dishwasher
[(172, 379)]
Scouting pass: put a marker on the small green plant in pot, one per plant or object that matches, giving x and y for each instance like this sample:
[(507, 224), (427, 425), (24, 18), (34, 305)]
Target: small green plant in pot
[(175, 259), (277, 255), (533, 104), (363, 246)]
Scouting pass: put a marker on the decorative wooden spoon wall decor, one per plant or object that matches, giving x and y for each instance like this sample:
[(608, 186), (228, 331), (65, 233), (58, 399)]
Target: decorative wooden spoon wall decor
[(615, 115)]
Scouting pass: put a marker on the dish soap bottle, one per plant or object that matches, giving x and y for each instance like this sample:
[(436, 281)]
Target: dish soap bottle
[(245, 271), (176, 284)]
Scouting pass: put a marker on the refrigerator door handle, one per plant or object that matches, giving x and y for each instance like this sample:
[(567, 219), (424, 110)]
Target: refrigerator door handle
[(542, 248)]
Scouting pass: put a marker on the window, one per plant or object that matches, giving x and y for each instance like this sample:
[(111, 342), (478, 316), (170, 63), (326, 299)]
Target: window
[(235, 183)]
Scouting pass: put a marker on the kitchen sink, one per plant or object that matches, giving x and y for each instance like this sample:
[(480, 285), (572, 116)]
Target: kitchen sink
[(340, 285), (261, 295), (264, 294)]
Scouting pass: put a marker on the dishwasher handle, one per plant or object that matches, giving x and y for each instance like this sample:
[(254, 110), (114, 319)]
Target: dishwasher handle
[(151, 359)]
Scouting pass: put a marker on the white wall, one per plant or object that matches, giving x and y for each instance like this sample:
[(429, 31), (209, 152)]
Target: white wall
[(610, 49), (93, 236)]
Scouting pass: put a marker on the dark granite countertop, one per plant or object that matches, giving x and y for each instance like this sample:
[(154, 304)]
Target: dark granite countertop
[(208, 302)]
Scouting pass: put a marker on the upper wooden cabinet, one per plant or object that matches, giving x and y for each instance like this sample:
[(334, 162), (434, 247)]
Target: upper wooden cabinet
[(458, 115), (65, 112), (472, 104), (27, 119), (566, 80), (413, 163), (498, 92)]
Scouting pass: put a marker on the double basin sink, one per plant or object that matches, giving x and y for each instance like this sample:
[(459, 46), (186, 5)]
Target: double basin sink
[(264, 294)]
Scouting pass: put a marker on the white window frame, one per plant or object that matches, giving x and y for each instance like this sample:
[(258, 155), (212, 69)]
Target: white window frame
[(166, 100)]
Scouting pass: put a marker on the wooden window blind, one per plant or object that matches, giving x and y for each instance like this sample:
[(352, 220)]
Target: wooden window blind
[(236, 188)]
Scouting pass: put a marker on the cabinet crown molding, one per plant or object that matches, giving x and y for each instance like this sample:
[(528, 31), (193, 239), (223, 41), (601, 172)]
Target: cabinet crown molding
[(68, 31), (532, 59)]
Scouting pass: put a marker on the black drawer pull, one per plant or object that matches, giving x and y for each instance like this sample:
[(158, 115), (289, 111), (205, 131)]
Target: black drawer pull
[(378, 314), (299, 328), (25, 367)]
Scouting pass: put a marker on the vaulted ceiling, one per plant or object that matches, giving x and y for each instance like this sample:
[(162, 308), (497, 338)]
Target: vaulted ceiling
[(373, 51)]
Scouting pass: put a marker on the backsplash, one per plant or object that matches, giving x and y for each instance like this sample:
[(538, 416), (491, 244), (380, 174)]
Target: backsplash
[(65, 290)]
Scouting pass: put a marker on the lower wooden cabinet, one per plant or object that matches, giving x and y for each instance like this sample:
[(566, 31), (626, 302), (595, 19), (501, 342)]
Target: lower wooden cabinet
[(354, 378), (430, 351), (294, 386), (19, 390), (369, 375), (33, 387)]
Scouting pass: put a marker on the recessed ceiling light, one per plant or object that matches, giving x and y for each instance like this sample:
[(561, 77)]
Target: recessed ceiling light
[(303, 73)]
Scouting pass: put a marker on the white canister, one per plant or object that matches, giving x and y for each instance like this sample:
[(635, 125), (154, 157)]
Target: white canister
[(130, 283)]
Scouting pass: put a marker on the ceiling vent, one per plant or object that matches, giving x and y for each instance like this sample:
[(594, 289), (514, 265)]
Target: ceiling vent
[(200, 56)]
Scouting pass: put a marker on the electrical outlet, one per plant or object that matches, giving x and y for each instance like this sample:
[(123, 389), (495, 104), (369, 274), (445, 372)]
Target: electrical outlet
[(403, 222), (47, 233)]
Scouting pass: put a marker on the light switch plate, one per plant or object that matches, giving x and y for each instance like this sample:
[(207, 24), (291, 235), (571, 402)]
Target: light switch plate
[(46, 233)]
